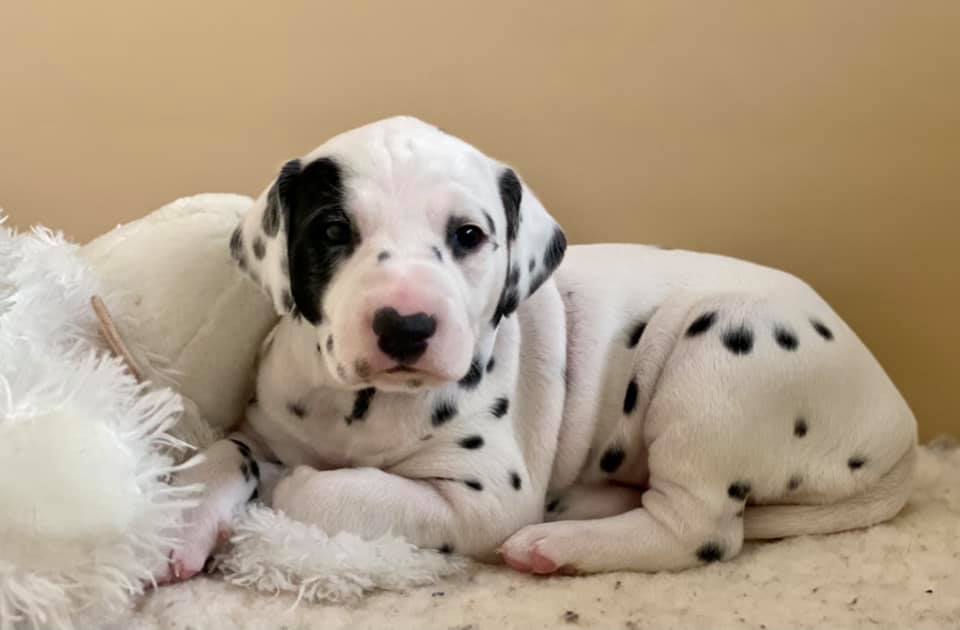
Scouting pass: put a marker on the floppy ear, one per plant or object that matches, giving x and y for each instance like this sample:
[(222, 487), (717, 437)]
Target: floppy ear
[(259, 243), (535, 243)]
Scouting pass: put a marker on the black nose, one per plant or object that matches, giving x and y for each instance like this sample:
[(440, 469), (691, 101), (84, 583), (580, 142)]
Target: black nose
[(403, 337)]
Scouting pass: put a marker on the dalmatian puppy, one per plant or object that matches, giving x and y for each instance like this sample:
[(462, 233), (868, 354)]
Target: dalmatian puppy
[(433, 377)]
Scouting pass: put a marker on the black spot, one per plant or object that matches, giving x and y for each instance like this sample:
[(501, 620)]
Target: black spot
[(490, 364), (437, 253), (259, 248), (473, 376), (473, 484), (702, 324), (630, 398), (515, 480), (361, 404), (821, 329), (236, 245), (857, 461), (329, 343), (245, 471), (800, 427), (739, 490), (710, 552), (255, 468), (553, 505), (446, 548), (254, 495), (472, 442), (531, 265), (511, 195), (297, 409), (243, 448), (738, 340), (500, 407), (635, 333), (362, 368), (537, 281), (341, 372), (612, 459), (785, 338), (740, 513), (443, 412), (287, 299), (509, 300), (794, 482), (320, 232), (382, 256), (555, 250)]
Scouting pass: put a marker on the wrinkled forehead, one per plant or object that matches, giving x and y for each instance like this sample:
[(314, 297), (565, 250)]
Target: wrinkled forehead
[(402, 163)]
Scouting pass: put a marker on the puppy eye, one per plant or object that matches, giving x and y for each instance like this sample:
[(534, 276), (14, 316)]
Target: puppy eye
[(470, 237), (336, 233)]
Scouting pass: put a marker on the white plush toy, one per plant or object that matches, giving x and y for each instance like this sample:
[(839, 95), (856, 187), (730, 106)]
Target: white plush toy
[(86, 448)]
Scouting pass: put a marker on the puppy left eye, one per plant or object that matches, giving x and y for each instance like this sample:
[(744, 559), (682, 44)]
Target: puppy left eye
[(470, 237), (336, 233)]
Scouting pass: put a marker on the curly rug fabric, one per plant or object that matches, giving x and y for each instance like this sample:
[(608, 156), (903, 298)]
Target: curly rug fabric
[(903, 574)]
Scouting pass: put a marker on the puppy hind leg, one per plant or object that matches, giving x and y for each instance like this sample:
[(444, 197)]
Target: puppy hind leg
[(674, 530)]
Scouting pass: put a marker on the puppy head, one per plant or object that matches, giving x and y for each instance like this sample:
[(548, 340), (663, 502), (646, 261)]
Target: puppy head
[(402, 246)]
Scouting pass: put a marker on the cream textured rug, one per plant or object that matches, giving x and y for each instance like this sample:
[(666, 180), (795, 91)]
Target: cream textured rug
[(903, 574)]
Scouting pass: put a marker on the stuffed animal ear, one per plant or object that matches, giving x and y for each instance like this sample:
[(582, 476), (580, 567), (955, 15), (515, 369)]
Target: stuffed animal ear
[(259, 243), (535, 243)]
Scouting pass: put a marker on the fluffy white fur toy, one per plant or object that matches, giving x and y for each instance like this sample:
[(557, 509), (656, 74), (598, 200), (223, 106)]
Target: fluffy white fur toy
[(85, 512), (86, 517)]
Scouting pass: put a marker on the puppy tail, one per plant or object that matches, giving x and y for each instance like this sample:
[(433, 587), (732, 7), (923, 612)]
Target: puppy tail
[(880, 502)]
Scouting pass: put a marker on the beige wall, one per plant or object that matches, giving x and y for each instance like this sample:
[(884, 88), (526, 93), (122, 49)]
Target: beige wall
[(821, 137)]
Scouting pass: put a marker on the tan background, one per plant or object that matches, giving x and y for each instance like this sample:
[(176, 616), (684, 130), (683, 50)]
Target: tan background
[(820, 137)]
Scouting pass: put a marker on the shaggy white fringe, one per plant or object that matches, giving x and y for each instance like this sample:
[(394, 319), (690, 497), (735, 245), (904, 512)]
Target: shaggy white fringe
[(272, 553), (49, 361)]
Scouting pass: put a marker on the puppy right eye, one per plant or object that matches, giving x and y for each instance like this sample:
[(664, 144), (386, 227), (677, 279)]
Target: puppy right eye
[(469, 237)]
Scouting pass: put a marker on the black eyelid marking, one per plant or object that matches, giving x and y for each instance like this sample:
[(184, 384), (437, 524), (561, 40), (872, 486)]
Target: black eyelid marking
[(490, 224)]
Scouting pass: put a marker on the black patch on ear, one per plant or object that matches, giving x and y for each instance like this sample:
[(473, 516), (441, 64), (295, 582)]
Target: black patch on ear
[(555, 250), (236, 244), (311, 198), (511, 194)]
